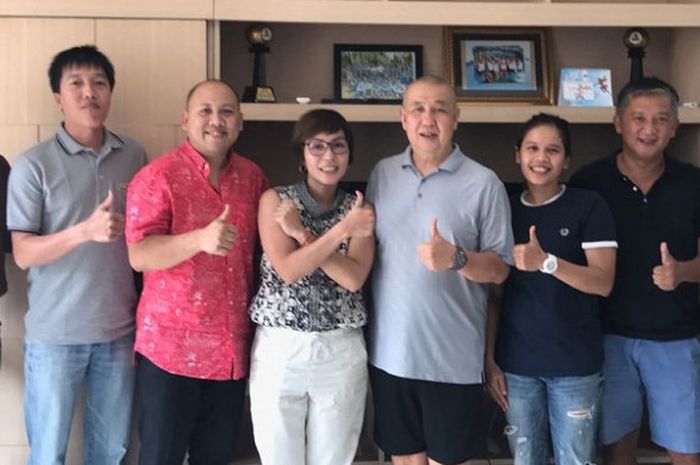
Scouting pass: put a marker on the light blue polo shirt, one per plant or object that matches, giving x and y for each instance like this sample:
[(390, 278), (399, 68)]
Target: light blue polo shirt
[(88, 295), (431, 325)]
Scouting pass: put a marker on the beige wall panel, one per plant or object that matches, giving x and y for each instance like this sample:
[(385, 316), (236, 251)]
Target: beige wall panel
[(12, 431), (13, 455), (156, 139), (26, 49), (156, 64), (101, 9), (15, 139)]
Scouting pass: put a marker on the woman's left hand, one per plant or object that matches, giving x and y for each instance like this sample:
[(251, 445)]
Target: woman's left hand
[(287, 216)]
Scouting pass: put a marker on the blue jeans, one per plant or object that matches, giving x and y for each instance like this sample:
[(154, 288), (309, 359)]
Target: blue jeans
[(54, 375), (568, 406)]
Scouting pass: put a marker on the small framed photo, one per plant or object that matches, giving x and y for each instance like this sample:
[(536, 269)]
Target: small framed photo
[(508, 65), (585, 87), (375, 73)]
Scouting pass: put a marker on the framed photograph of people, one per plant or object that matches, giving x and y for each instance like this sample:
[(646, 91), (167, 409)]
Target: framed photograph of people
[(508, 65), (374, 73)]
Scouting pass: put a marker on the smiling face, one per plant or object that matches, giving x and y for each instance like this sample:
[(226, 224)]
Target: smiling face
[(542, 156), (84, 97), (324, 166), (646, 126), (429, 116), (212, 119)]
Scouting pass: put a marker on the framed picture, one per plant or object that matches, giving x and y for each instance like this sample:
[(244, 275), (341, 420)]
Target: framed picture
[(499, 64), (585, 87), (375, 73)]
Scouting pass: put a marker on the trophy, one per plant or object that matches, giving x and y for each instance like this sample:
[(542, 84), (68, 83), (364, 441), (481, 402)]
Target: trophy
[(258, 37), (636, 39)]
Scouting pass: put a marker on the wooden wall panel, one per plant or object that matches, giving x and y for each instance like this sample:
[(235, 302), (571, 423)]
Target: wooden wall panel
[(16, 138), (157, 62), (26, 49), (115, 9)]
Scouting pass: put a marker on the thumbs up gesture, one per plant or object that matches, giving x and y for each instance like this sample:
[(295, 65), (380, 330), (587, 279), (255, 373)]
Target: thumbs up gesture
[(666, 276), (529, 256), (103, 225), (359, 222), (437, 254), (218, 237)]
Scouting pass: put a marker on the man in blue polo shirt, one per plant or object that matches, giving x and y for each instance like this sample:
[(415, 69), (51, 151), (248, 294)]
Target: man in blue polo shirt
[(443, 232), (65, 211), (651, 320)]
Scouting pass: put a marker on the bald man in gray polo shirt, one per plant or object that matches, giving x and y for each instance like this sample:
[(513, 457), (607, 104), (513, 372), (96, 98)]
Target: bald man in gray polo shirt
[(443, 233), (65, 211)]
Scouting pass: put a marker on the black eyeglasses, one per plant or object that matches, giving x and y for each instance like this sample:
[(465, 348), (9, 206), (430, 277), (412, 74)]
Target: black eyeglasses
[(318, 147)]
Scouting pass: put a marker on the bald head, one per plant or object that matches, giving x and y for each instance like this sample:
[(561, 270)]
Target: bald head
[(207, 82), (432, 81)]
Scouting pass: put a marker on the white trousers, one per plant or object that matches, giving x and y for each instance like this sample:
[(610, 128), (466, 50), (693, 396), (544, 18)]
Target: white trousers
[(307, 395)]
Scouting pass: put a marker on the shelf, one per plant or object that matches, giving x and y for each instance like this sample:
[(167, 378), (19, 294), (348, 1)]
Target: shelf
[(152, 9), (575, 13), (468, 113), (481, 13)]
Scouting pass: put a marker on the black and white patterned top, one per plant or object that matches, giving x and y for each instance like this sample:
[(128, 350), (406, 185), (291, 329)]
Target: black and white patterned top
[(314, 302)]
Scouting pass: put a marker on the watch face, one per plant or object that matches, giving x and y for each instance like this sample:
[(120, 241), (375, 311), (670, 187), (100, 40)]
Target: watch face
[(549, 265), (266, 34)]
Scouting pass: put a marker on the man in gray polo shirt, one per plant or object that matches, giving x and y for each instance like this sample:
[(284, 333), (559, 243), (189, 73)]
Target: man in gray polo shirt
[(443, 232), (65, 211)]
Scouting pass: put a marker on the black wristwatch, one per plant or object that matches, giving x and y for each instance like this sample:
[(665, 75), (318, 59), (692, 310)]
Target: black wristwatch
[(459, 258)]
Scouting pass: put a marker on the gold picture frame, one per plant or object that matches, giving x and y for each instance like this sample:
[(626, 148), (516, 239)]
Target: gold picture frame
[(500, 65)]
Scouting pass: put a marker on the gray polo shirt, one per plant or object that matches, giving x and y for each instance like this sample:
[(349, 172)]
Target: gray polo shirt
[(427, 325), (88, 295)]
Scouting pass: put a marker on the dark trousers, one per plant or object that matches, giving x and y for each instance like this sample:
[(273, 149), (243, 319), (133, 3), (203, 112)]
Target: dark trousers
[(178, 414)]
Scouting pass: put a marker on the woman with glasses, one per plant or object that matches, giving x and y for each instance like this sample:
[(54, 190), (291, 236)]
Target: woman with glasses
[(544, 368), (308, 372)]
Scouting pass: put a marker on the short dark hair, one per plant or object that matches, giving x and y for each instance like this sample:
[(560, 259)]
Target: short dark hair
[(82, 55), (646, 86), (547, 119), (316, 121), (201, 83)]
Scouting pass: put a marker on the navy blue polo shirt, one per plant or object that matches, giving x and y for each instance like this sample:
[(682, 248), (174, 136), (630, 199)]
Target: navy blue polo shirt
[(548, 328), (669, 212)]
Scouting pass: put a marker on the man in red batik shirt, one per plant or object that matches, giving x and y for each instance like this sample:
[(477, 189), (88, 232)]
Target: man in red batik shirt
[(191, 227)]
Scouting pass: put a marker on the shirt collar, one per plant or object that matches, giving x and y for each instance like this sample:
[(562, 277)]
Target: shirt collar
[(453, 161), (670, 163), (311, 205), (73, 147), (200, 162)]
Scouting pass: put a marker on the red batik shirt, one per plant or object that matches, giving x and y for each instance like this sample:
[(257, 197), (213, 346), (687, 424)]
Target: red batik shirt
[(192, 319)]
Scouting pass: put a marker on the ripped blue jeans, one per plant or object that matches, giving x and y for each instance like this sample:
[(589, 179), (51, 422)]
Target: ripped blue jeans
[(568, 407)]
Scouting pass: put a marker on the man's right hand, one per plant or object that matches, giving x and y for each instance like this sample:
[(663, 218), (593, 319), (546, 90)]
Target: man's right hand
[(218, 237), (104, 225)]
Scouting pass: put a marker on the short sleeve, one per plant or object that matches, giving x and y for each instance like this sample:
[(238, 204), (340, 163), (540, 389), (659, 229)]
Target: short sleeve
[(496, 233), (599, 230), (25, 200), (148, 206)]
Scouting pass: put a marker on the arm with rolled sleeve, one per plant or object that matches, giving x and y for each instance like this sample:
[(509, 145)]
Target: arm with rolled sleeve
[(32, 246)]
